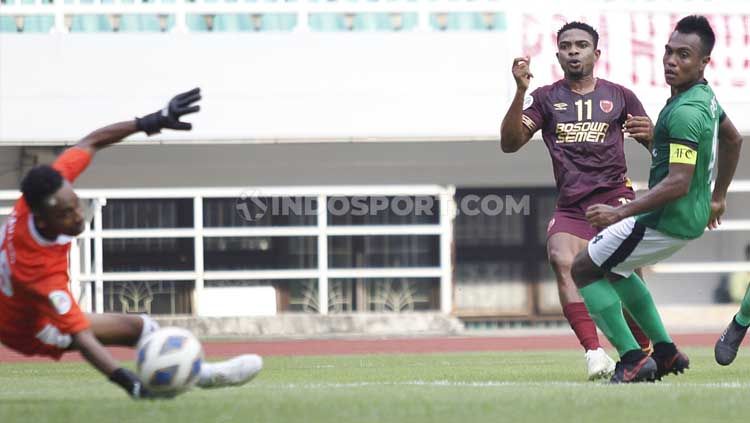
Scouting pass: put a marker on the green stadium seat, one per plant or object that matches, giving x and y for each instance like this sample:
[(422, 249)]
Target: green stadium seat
[(327, 22), (498, 22), (196, 23), (143, 23), (90, 23), (130, 23), (7, 24), (371, 22), (462, 21), (469, 21), (39, 23), (278, 22), (232, 23), (410, 22)]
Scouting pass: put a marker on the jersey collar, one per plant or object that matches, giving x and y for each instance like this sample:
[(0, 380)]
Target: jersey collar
[(566, 84), (698, 82), (60, 240)]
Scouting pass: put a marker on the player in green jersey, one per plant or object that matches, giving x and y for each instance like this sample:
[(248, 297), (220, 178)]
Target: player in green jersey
[(692, 132)]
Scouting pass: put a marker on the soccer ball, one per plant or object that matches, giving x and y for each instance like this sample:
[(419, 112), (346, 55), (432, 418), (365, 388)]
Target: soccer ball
[(169, 360)]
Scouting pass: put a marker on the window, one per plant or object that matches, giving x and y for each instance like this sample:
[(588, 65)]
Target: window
[(500, 252), (259, 211), (384, 251), (246, 253)]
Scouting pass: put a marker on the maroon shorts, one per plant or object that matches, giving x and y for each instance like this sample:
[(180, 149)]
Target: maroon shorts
[(572, 219)]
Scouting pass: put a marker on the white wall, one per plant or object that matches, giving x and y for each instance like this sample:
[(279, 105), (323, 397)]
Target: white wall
[(269, 86), (333, 86)]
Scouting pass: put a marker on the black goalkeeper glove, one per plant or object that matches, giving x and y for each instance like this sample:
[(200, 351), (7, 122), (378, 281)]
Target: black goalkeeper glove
[(130, 383), (169, 117)]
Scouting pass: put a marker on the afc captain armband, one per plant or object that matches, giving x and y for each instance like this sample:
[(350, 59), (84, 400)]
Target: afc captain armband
[(528, 122), (679, 153)]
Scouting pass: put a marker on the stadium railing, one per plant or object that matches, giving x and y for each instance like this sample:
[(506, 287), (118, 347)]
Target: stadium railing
[(87, 255)]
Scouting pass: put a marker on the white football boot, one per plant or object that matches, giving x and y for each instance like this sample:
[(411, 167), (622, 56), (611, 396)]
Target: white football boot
[(233, 372), (599, 364)]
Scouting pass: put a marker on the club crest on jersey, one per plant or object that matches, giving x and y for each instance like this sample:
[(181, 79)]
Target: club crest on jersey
[(61, 301), (606, 106), (527, 102), (560, 107)]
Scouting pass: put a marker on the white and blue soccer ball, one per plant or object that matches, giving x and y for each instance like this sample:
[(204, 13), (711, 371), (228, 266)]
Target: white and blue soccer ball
[(168, 361)]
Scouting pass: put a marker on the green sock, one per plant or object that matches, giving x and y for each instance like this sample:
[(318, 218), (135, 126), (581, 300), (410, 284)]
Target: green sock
[(639, 303), (743, 316), (606, 310)]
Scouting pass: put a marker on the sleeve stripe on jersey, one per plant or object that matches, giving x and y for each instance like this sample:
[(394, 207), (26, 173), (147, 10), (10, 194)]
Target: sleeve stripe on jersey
[(723, 116), (687, 143), (528, 122), (680, 153)]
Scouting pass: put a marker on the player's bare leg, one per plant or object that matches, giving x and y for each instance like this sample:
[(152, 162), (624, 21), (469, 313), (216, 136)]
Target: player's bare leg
[(121, 329), (562, 249)]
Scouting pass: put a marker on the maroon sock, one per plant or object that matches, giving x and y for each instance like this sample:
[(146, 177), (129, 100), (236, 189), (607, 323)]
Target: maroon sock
[(641, 337), (582, 325)]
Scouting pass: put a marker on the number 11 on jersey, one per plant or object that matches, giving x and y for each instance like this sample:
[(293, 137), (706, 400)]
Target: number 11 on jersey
[(580, 106)]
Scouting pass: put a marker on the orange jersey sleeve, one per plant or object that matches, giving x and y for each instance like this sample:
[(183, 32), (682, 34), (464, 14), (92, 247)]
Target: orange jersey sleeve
[(72, 162)]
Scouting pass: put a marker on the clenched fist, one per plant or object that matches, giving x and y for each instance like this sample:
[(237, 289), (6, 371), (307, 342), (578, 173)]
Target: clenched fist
[(521, 72)]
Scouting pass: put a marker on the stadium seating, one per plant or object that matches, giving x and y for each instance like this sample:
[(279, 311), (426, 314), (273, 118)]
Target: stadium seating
[(241, 22), (362, 22), (144, 23), (84, 16), (33, 24), (90, 23), (468, 21)]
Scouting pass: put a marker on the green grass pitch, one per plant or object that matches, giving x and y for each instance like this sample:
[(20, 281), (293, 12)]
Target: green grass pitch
[(469, 387)]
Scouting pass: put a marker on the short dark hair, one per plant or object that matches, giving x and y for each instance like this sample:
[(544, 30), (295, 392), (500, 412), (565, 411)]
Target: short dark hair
[(699, 25), (582, 26), (39, 185)]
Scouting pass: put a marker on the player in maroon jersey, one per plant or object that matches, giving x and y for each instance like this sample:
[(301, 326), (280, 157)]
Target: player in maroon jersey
[(582, 119)]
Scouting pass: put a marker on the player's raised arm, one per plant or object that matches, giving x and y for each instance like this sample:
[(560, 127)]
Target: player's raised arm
[(513, 133), (168, 117), (730, 143)]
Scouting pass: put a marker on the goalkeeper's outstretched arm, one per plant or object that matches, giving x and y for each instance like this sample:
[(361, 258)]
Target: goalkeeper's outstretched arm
[(166, 118)]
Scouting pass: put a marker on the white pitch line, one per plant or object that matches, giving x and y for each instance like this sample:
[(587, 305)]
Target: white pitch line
[(453, 384)]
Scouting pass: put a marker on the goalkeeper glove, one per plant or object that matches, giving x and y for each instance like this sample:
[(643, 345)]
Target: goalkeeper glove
[(130, 383), (169, 117)]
